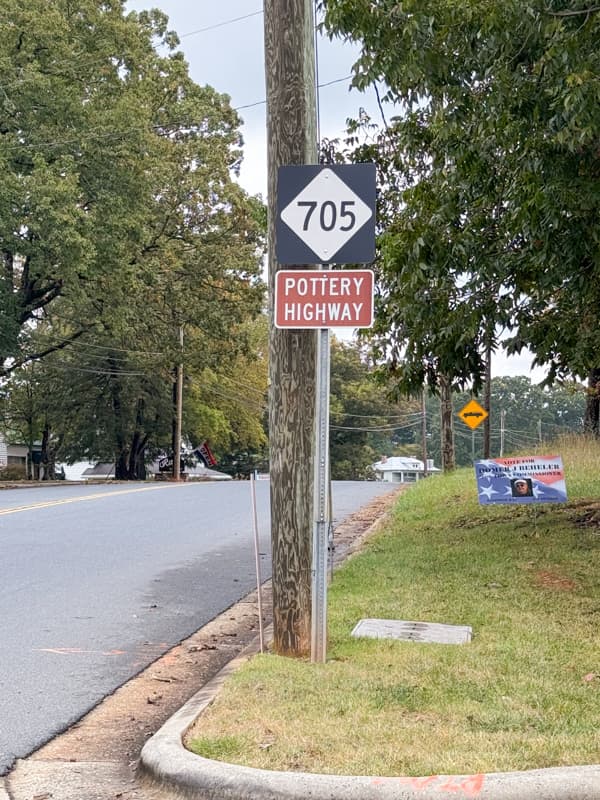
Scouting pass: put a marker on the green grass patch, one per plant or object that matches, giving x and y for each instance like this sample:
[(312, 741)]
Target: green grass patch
[(524, 694)]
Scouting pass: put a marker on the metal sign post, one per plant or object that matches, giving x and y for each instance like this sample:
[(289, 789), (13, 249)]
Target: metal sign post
[(257, 562), (318, 648)]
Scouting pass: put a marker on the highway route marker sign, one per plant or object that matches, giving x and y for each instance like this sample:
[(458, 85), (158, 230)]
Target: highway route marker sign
[(473, 414), (326, 214), (316, 299)]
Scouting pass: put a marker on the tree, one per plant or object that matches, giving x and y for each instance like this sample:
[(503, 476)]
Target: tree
[(123, 223), (235, 398), (523, 416), (108, 151), (101, 400), (495, 159), (364, 423)]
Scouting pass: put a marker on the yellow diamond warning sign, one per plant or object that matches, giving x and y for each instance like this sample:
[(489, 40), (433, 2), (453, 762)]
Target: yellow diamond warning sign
[(473, 414)]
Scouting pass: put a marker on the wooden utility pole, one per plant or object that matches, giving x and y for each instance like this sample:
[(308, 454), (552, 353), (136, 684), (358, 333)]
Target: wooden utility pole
[(424, 432), (178, 413), (446, 420), (292, 139)]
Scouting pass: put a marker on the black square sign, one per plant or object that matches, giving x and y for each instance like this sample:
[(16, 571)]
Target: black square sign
[(326, 214)]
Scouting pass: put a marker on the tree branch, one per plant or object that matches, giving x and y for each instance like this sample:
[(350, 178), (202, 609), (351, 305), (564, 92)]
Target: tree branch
[(4, 371), (39, 298)]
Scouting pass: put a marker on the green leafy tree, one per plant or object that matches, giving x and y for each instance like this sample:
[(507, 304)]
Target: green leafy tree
[(523, 416), (235, 398), (113, 161), (364, 423), (489, 178), (120, 222)]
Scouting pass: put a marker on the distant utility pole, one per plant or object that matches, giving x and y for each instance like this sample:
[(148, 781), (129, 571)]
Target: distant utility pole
[(424, 432), (292, 139), (178, 412)]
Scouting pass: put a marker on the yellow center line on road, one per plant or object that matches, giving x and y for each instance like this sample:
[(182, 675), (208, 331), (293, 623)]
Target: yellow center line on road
[(99, 496)]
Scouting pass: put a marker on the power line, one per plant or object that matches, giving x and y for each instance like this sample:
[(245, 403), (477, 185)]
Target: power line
[(220, 24), (100, 135), (244, 401), (79, 343), (390, 419), (63, 367), (382, 429)]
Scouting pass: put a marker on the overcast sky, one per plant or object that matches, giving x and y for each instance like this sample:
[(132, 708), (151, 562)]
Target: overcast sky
[(223, 44)]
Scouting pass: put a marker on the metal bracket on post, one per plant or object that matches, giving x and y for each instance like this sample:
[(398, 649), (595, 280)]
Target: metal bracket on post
[(318, 649)]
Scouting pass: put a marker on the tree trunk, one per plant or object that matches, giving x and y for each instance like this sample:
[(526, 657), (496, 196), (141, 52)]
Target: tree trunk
[(137, 464), (47, 465), (292, 139), (137, 449), (446, 419), (591, 420), (121, 466)]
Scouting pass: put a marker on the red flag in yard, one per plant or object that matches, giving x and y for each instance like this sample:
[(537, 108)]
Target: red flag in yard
[(206, 454)]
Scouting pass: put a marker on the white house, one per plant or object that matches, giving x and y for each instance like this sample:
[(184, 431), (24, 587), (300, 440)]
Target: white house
[(400, 469), (18, 455)]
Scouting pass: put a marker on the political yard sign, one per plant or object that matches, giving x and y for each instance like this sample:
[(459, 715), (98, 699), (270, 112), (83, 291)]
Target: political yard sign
[(524, 479)]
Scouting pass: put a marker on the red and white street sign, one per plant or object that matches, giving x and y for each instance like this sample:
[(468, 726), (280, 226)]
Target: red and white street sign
[(327, 299)]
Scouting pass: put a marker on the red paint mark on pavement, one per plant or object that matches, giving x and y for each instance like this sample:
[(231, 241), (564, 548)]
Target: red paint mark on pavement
[(469, 785), (420, 783)]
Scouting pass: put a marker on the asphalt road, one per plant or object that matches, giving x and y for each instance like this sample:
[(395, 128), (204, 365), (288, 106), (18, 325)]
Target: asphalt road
[(97, 581)]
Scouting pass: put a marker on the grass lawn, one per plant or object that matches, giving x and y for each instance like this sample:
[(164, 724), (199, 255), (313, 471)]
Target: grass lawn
[(524, 694)]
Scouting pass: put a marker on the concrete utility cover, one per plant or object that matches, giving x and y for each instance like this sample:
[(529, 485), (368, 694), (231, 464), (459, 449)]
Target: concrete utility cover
[(431, 632)]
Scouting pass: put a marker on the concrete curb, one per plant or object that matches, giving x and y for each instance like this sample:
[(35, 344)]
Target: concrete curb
[(165, 762)]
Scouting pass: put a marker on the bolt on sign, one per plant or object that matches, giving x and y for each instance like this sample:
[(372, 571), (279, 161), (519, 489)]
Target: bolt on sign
[(311, 299), (473, 414)]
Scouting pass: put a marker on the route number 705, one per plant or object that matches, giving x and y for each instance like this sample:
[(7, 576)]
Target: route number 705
[(328, 217)]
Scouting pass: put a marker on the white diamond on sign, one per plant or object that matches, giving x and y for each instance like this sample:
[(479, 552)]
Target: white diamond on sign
[(326, 214)]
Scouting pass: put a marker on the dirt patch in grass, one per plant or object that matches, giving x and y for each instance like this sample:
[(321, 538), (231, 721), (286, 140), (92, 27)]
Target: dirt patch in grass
[(587, 515), (554, 581)]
